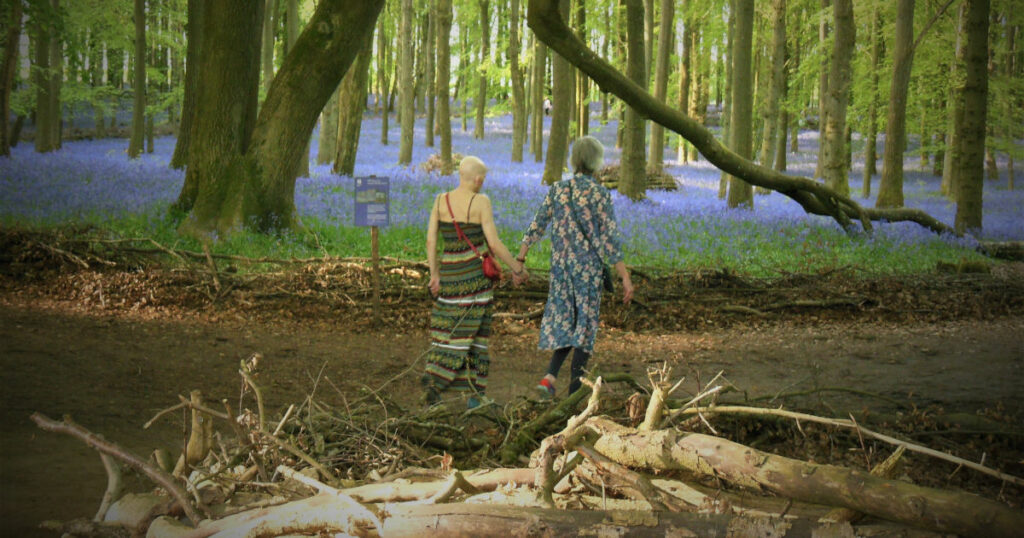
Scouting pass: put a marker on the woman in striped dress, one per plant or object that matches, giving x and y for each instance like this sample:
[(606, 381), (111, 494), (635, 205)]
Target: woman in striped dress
[(460, 323)]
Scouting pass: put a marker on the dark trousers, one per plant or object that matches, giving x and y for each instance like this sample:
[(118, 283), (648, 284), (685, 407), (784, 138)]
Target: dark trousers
[(579, 361)]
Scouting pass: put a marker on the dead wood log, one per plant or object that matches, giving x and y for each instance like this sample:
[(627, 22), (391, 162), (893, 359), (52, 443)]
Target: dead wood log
[(94, 441), (908, 504), (499, 521), (483, 480), (322, 513), (886, 469)]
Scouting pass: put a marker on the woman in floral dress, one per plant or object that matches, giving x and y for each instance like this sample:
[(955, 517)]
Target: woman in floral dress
[(584, 236), (460, 322)]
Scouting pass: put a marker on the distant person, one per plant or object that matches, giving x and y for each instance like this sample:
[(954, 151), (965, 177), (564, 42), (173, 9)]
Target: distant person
[(584, 237), (547, 107), (460, 322)]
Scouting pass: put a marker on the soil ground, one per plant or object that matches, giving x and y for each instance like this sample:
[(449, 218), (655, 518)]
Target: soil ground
[(112, 364)]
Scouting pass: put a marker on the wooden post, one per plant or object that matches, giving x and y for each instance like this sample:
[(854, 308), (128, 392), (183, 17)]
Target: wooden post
[(375, 262)]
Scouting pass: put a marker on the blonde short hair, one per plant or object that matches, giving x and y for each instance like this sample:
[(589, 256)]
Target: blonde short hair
[(587, 155)]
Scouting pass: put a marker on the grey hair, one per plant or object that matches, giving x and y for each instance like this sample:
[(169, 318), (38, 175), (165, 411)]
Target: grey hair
[(587, 155)]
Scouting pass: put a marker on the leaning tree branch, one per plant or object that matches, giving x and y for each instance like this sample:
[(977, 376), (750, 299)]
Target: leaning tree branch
[(103, 446), (544, 19)]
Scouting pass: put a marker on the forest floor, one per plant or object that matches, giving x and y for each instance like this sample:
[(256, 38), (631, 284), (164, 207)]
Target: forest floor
[(113, 347)]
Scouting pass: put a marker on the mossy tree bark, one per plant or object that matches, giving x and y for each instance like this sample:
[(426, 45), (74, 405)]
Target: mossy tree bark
[(730, 47), (7, 69), (561, 110), (890, 188), (444, 116), (975, 110), (741, 193), (518, 89), (582, 103), (351, 104), (955, 111), (47, 78), (538, 71), (632, 172), (193, 39), (406, 89), (835, 169), (244, 180), (327, 148), (657, 156), (482, 67), (871, 138), (684, 77), (777, 86), (269, 21), (822, 84)]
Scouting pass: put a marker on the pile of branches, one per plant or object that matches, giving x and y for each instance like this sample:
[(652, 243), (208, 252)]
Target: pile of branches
[(371, 468)]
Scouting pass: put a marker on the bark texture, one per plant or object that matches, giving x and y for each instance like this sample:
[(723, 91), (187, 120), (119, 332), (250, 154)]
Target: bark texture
[(193, 37), (485, 51), (351, 103), (406, 89), (835, 169), (8, 67), (444, 117), (975, 103), (890, 189), (633, 169), (518, 89), (741, 193), (561, 110), (657, 156), (871, 138)]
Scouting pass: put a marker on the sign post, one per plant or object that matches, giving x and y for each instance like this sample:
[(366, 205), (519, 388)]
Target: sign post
[(373, 209)]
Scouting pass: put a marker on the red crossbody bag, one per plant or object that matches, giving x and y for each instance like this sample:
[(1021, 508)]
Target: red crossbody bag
[(491, 268)]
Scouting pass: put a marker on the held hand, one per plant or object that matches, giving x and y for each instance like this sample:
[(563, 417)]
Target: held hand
[(627, 290), (435, 285), (519, 278)]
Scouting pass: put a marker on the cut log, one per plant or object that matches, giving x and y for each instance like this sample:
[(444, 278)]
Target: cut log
[(908, 504)]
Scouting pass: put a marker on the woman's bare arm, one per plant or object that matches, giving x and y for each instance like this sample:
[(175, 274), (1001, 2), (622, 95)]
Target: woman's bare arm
[(435, 272), (491, 233)]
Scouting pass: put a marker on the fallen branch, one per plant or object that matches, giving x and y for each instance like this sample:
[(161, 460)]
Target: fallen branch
[(94, 441)]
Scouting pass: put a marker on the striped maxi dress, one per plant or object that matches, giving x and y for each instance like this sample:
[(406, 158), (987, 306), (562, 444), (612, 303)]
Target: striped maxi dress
[(460, 322)]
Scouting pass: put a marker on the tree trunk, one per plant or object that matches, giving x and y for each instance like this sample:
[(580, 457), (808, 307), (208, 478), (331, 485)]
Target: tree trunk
[(730, 46), (327, 148), (430, 90), (561, 97), (648, 37), (778, 84), (633, 169), (193, 38), (684, 78), (955, 111), (485, 51), (780, 143), (253, 184), (893, 500), (44, 40), (351, 103), (269, 14), (99, 116), (740, 192), (518, 92), (582, 82), (538, 71), (138, 83), (822, 86), (972, 141), (405, 84), (890, 188), (444, 117), (657, 156), (292, 34), (383, 73), (7, 71), (871, 138), (835, 168)]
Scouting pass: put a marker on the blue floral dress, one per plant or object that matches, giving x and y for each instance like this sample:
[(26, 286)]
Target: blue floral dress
[(573, 308)]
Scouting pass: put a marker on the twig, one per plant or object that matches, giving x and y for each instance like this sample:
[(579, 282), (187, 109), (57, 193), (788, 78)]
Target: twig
[(299, 454), (532, 314), (243, 371), (677, 412), (287, 415), (843, 423), (658, 499), (454, 483), (307, 480), (212, 266), (94, 441), (164, 412), (114, 486), (202, 408), (244, 438)]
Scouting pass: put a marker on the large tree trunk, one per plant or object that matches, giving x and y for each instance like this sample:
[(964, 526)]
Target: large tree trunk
[(292, 34), (485, 52), (835, 168), (777, 86), (661, 79), (684, 78), (972, 140), (351, 104), (269, 21), (327, 148), (822, 85), (955, 111), (193, 37), (582, 82), (47, 117), (871, 138), (561, 111), (538, 71), (7, 71), (518, 91), (139, 81), (890, 188), (253, 184), (405, 84), (444, 117), (740, 125), (730, 46), (384, 74), (633, 169)]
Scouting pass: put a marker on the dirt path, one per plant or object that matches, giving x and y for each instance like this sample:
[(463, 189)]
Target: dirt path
[(113, 372)]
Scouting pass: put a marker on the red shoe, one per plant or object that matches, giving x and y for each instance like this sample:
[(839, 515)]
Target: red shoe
[(546, 389)]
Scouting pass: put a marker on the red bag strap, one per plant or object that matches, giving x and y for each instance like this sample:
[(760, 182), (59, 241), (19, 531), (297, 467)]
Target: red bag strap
[(457, 229)]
